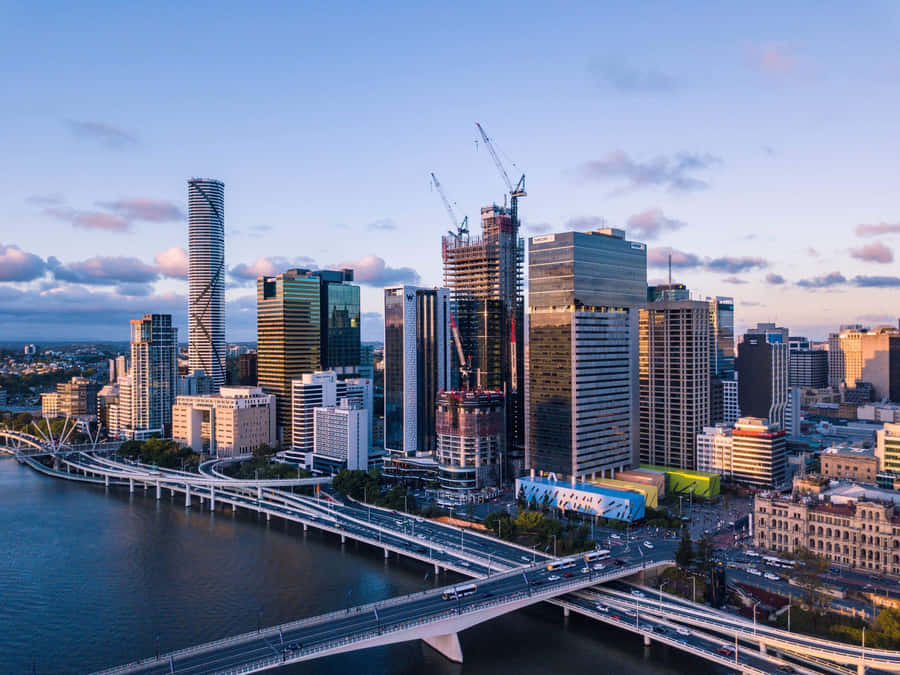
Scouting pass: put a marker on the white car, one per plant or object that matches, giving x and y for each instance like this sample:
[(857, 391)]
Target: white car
[(463, 563), (771, 577), (752, 554), (602, 608), (682, 631), (648, 544), (638, 594), (755, 572), (599, 566), (525, 558), (615, 536), (585, 570), (553, 577)]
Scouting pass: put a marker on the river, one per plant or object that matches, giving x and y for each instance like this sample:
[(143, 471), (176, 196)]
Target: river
[(91, 578)]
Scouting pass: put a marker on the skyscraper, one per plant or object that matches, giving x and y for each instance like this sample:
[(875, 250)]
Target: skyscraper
[(206, 278), (287, 334), (484, 276), (674, 375), (581, 386), (148, 391), (721, 316), (307, 321), (763, 380), (416, 365)]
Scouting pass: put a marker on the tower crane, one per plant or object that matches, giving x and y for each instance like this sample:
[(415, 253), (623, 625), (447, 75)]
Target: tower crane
[(514, 192), (465, 367), (462, 228)]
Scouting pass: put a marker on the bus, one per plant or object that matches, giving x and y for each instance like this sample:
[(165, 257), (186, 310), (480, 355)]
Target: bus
[(566, 563), (778, 562), (459, 592), (594, 556)]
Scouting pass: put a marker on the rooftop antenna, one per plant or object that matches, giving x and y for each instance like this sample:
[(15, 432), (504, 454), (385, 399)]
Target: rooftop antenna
[(670, 269)]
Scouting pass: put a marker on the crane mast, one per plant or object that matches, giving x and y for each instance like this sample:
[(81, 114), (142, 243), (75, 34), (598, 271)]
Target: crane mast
[(465, 368), (514, 192)]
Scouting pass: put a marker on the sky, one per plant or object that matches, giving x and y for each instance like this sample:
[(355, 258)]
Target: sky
[(755, 141)]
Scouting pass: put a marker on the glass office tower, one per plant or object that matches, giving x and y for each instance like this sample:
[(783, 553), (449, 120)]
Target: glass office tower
[(581, 385)]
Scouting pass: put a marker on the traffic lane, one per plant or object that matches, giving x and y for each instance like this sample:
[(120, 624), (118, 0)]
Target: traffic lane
[(629, 617)]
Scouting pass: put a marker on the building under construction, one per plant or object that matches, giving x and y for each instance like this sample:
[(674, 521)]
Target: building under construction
[(484, 276), (471, 433)]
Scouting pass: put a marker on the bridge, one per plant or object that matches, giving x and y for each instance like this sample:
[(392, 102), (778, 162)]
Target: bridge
[(508, 577)]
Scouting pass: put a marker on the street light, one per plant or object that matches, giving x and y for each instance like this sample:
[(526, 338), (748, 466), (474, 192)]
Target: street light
[(862, 654), (660, 594), (754, 616)]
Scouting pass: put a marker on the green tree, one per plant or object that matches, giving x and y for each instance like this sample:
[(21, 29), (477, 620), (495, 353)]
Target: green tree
[(705, 551), (685, 553)]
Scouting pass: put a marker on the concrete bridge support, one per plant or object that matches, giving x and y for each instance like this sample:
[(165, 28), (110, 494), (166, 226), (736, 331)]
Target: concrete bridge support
[(106, 479), (646, 640), (447, 645), (343, 539), (305, 527), (861, 669), (131, 485), (212, 498), (158, 491), (762, 647), (187, 496), (566, 612), (437, 569), (386, 553), (259, 494)]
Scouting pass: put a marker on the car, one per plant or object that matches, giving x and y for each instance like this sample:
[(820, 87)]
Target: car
[(487, 594), (647, 544), (536, 582), (599, 566), (681, 630), (525, 558), (786, 668), (464, 563), (752, 554), (585, 570), (771, 577), (630, 612), (553, 577), (755, 572), (616, 617), (602, 608), (725, 650), (293, 646), (615, 536), (681, 641), (568, 575), (638, 594), (618, 563), (662, 630)]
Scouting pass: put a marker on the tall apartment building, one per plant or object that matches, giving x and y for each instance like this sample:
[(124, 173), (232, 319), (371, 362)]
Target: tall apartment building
[(417, 365), (339, 437), (471, 438), (763, 375), (305, 320), (233, 422), (674, 379), (759, 453), (118, 367), (581, 388), (367, 361), (319, 390), (206, 278), (147, 392), (484, 277), (731, 407)]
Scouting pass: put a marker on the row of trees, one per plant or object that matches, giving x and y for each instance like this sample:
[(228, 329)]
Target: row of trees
[(541, 530), (163, 453)]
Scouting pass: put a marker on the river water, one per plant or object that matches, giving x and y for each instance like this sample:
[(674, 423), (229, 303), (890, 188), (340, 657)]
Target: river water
[(91, 578)]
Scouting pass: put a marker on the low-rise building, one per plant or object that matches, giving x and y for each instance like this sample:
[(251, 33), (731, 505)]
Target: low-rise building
[(860, 533), (234, 422), (758, 453), (714, 450), (470, 438), (75, 398), (849, 463)]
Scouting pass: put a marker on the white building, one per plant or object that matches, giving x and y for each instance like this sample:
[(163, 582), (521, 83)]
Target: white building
[(879, 412), (792, 412), (323, 389), (714, 450), (235, 422), (731, 407), (341, 435), (759, 453)]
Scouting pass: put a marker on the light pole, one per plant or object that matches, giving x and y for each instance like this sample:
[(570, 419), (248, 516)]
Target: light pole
[(790, 600), (693, 588), (660, 594), (754, 616), (533, 554), (862, 654)]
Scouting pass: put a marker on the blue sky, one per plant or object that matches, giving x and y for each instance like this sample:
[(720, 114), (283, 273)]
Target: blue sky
[(755, 140)]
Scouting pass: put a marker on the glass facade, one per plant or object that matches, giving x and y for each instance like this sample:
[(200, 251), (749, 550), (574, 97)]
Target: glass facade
[(341, 339), (584, 289), (394, 366), (721, 318), (288, 337)]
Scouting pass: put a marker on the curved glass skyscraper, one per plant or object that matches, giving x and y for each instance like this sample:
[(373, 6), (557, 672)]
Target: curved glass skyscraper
[(206, 278)]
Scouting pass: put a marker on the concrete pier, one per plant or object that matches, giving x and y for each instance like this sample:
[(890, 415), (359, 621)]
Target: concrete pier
[(187, 496), (158, 490), (448, 645)]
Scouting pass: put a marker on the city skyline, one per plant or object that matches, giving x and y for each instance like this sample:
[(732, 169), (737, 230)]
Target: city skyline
[(762, 174)]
